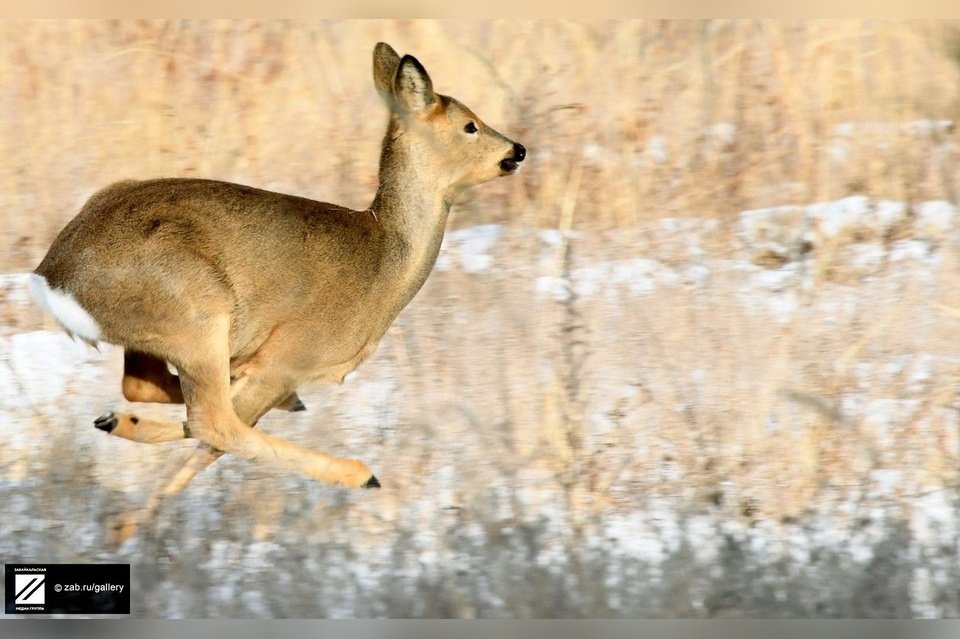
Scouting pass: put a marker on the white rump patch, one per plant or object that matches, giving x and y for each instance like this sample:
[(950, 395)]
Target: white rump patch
[(61, 305)]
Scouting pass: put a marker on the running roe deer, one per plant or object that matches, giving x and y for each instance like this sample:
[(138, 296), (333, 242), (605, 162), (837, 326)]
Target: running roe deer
[(250, 293)]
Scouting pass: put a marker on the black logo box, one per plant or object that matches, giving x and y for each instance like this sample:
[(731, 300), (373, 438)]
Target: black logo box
[(72, 589)]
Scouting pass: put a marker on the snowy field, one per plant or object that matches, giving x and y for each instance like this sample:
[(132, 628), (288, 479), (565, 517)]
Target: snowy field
[(684, 419)]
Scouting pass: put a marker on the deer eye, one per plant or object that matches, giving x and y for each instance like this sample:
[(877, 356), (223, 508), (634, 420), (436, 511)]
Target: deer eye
[(470, 128)]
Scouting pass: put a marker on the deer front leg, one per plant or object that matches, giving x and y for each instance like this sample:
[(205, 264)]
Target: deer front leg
[(212, 419), (251, 400), (292, 404), (221, 427)]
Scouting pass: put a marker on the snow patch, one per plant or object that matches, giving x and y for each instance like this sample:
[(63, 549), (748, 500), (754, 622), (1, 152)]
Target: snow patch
[(911, 250), (840, 216), (639, 277), (39, 365), (921, 126), (470, 247), (935, 218)]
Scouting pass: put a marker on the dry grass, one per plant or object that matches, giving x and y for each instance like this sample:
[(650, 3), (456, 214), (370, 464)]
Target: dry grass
[(656, 118), (627, 122), (688, 395)]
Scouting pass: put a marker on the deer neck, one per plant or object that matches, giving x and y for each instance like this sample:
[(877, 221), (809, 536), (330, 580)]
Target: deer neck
[(412, 205)]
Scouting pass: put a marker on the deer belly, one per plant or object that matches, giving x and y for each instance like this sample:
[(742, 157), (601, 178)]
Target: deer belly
[(337, 372)]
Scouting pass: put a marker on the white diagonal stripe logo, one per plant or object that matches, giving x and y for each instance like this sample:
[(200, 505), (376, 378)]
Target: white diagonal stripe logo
[(29, 589)]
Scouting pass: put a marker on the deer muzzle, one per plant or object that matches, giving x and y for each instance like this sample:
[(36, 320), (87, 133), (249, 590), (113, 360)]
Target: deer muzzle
[(510, 164)]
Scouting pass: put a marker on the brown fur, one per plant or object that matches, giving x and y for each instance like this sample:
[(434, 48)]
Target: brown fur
[(250, 293)]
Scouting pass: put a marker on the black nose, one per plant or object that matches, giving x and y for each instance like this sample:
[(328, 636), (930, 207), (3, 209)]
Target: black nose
[(519, 152)]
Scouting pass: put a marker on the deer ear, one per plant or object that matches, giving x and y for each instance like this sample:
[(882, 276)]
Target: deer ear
[(412, 86), (385, 63)]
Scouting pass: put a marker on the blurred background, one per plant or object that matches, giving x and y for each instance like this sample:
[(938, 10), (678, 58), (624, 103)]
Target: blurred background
[(698, 358)]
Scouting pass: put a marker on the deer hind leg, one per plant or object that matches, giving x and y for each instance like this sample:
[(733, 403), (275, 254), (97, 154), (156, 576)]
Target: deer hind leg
[(146, 378), (154, 431), (141, 429), (125, 525)]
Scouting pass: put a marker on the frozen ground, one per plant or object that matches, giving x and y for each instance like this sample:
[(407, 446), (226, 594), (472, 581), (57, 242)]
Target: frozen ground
[(678, 420)]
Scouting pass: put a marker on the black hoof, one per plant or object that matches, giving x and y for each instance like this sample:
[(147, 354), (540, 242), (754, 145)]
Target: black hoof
[(297, 406), (373, 482), (106, 423)]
